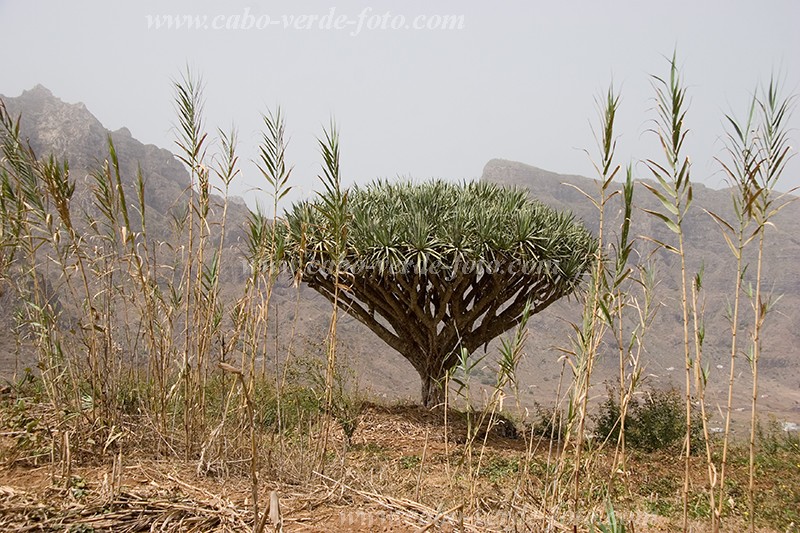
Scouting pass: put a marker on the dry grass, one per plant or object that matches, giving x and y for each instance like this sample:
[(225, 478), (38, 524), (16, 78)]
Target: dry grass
[(398, 474)]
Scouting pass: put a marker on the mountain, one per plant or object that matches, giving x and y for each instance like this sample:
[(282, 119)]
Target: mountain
[(70, 131), (705, 248), (300, 317)]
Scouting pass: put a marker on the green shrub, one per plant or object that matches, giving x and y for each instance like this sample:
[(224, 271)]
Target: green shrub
[(658, 422), (548, 422), (607, 421)]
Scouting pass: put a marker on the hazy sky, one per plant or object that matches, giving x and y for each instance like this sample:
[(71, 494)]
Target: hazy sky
[(518, 81)]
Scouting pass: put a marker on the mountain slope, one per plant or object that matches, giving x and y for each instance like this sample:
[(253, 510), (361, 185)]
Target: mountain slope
[(71, 132), (706, 248), (300, 319)]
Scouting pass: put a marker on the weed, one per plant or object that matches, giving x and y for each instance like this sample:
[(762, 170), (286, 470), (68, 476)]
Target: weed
[(410, 461), (612, 526), (498, 468)]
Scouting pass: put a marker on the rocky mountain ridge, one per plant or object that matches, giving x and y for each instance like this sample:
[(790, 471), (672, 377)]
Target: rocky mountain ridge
[(706, 249)]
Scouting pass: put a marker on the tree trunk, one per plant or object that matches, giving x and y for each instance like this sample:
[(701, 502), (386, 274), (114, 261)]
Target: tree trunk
[(432, 389)]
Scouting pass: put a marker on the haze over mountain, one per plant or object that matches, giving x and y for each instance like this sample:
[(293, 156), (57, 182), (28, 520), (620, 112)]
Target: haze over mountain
[(71, 131)]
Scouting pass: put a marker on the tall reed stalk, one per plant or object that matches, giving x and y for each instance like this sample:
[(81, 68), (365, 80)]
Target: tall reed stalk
[(606, 300), (674, 193), (701, 373), (191, 143), (772, 143), (596, 316), (335, 214), (274, 169), (639, 296), (740, 167)]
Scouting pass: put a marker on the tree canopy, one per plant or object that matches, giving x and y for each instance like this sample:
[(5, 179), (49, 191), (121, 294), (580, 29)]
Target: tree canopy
[(436, 267)]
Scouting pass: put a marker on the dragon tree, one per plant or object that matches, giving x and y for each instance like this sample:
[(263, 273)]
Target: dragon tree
[(437, 267)]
